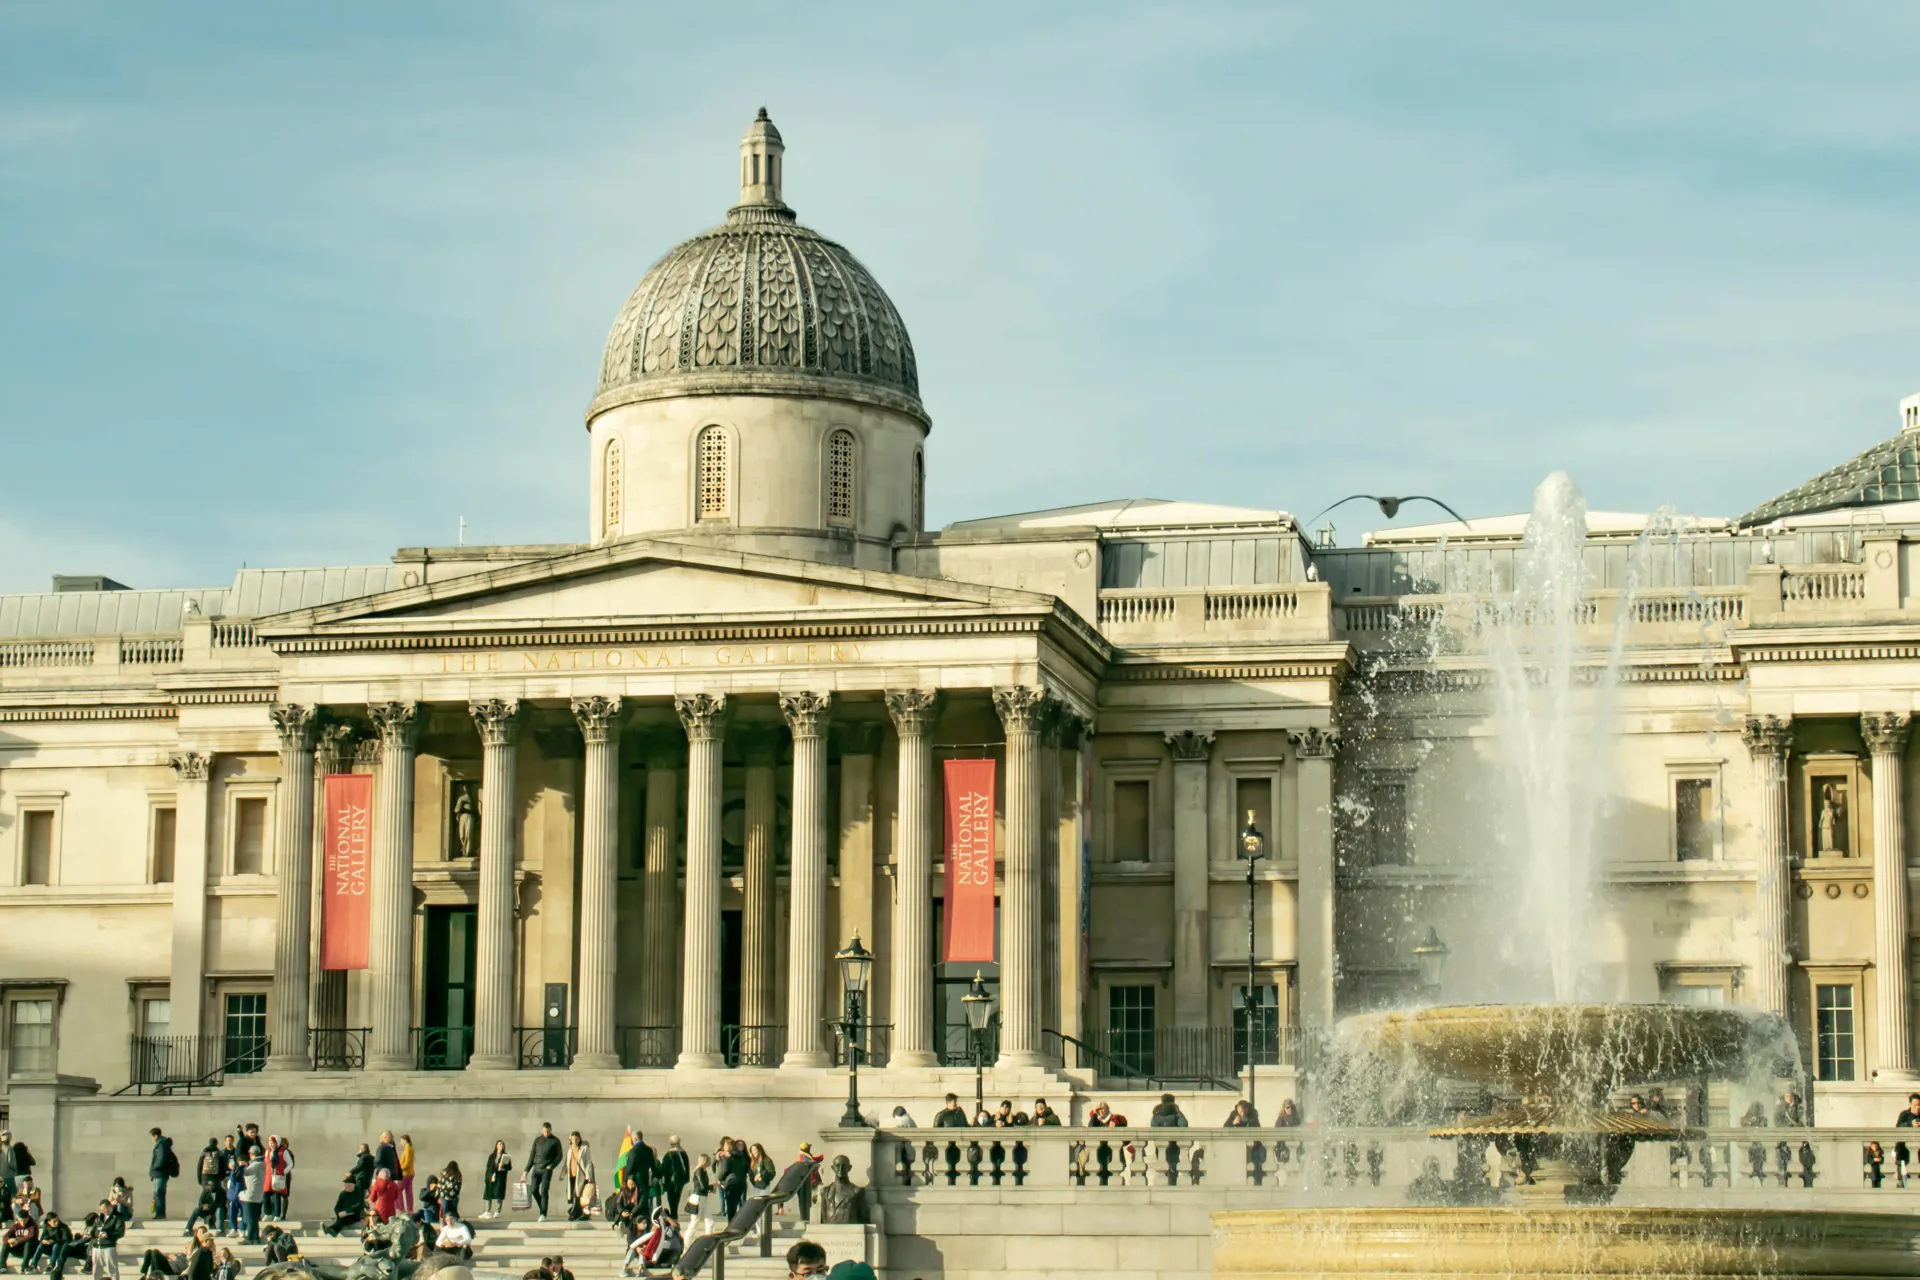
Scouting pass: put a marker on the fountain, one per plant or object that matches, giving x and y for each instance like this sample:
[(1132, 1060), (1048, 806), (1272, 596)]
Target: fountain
[(1550, 1055)]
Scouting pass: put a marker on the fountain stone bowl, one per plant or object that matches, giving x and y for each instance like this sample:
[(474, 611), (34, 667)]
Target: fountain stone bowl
[(1572, 1053)]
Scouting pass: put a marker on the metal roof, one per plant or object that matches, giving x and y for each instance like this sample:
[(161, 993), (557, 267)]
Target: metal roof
[(254, 593), (1887, 473)]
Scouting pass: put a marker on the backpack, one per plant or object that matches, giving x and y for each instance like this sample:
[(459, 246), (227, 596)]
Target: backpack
[(209, 1166), (171, 1166)]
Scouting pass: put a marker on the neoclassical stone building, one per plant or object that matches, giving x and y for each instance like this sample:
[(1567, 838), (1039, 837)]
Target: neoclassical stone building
[(630, 795)]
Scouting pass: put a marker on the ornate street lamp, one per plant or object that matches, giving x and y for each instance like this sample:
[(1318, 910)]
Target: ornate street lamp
[(978, 1005), (1253, 847), (856, 963), (1431, 955)]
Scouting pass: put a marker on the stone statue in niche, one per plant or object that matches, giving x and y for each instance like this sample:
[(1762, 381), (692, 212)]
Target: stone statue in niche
[(466, 820), (840, 1200), (1832, 823)]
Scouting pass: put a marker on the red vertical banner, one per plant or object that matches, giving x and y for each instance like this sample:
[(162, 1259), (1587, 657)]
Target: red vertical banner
[(969, 903), (347, 801)]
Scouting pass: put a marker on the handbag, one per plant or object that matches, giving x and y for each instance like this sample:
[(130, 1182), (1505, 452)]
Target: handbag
[(522, 1198)]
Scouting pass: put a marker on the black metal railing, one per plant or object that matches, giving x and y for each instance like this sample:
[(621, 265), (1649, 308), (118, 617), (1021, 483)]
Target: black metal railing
[(442, 1048), (1212, 1057), (338, 1048), (745, 1046), (873, 1043), (648, 1047), (543, 1048), (957, 1045), (180, 1064)]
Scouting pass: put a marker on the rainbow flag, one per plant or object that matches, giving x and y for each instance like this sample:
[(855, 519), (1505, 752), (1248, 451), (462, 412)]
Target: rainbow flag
[(620, 1160)]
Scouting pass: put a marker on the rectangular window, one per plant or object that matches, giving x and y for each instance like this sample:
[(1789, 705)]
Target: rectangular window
[(244, 1033), (1387, 823), (1697, 993), (36, 834), (165, 824), (153, 1049), (1833, 1031), (1693, 818), (1265, 1021), (1132, 821), (249, 836), (1130, 1028), (1254, 796), (30, 1036)]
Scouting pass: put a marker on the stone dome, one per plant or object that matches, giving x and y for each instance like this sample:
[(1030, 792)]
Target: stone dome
[(760, 305)]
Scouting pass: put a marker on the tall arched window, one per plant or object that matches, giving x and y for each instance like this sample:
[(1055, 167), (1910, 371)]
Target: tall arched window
[(840, 478), (611, 482), (716, 479), (919, 512)]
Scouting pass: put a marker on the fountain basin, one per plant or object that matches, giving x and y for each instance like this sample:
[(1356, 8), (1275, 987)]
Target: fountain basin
[(1553, 1243)]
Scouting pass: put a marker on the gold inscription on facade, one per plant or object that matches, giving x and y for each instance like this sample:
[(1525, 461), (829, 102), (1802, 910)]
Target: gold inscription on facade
[(632, 658)]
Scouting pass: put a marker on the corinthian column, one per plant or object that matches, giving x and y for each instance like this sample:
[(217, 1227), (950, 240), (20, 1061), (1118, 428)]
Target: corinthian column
[(498, 721), (660, 890), (704, 716), (1768, 739), (189, 972), (390, 943), (599, 871), (913, 712), (806, 715), (332, 753), (1022, 710), (293, 866), (760, 748), (1886, 735), (1192, 750), (1316, 749)]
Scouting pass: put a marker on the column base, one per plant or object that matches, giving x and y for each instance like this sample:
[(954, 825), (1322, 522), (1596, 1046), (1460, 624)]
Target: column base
[(1896, 1075), (493, 1062), (596, 1062), (806, 1058), (913, 1059), (288, 1062), (691, 1061), (1015, 1059), (389, 1062)]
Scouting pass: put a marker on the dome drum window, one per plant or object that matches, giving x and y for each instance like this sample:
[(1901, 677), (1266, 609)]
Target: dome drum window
[(611, 481), (715, 452), (840, 478)]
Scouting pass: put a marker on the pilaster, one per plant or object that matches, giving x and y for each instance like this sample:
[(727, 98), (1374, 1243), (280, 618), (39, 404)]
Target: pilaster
[(806, 715), (599, 720), (1886, 734), (1192, 750), (1022, 709), (191, 771), (703, 716), (1316, 749), (1768, 739), (390, 941), (914, 712), (293, 867)]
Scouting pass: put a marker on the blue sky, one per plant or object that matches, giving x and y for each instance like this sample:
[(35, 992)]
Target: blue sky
[(298, 284)]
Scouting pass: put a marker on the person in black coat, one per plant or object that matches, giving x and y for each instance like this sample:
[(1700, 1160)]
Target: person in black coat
[(638, 1173), (349, 1207), (387, 1156), (542, 1159), (732, 1177), (671, 1174), (363, 1169), (494, 1188)]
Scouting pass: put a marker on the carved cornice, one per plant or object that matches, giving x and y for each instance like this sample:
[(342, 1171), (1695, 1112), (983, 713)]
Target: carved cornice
[(702, 715), (1023, 708), (190, 766), (223, 697), (497, 719), (55, 715), (1886, 731), (397, 723), (1190, 745), (1862, 652), (1315, 744), (597, 716), (295, 724), (914, 711), (643, 636), (807, 713), (1230, 671), (1767, 736)]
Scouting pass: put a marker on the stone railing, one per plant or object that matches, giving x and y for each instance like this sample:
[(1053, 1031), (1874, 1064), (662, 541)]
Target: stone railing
[(46, 653), (1375, 1163), (1823, 588), (1135, 608), (151, 650), (1656, 616), (238, 634), (1204, 615)]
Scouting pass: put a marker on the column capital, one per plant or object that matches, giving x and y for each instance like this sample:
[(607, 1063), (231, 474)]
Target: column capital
[(1886, 731), (190, 766), (295, 724), (1315, 744), (497, 719), (856, 737), (914, 710), (397, 723), (702, 715), (598, 715), (1022, 706), (807, 713), (662, 748), (1190, 744), (1767, 736), (1073, 728), (757, 740), (366, 751), (333, 744)]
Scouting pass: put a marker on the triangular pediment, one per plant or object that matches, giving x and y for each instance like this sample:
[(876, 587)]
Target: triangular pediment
[(649, 582)]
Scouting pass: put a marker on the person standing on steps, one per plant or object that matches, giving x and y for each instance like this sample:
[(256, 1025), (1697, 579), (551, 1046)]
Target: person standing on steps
[(542, 1159), (674, 1170), (499, 1165), (640, 1172), (734, 1170), (406, 1172), (162, 1164), (580, 1177)]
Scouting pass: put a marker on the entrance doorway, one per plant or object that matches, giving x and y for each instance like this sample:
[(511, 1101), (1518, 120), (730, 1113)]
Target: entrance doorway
[(446, 990)]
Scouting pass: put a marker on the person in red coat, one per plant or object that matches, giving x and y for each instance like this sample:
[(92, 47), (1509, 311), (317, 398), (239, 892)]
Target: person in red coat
[(384, 1199)]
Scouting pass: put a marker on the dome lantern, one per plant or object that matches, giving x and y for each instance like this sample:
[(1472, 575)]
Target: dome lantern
[(760, 165)]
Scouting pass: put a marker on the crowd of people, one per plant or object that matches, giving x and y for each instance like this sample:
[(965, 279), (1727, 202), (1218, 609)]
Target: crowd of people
[(1166, 1115)]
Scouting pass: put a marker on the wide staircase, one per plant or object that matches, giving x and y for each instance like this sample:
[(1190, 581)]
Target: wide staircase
[(509, 1248)]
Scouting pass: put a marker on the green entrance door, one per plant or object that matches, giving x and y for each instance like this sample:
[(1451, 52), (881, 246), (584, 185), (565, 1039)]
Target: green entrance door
[(446, 1032)]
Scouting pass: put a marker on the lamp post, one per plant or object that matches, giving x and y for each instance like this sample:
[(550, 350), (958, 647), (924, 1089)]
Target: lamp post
[(979, 1010), (1431, 955), (1253, 847), (856, 963)]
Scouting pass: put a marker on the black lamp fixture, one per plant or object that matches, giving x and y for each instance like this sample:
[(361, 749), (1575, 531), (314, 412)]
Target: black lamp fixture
[(856, 965), (978, 1006), (1431, 955), (1253, 847)]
